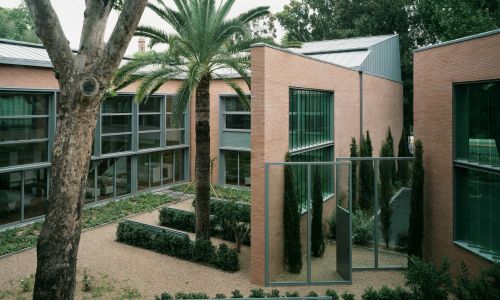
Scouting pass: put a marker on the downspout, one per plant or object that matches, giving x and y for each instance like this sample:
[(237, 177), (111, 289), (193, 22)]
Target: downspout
[(360, 106)]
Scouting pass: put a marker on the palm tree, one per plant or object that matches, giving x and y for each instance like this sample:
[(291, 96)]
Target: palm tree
[(205, 43)]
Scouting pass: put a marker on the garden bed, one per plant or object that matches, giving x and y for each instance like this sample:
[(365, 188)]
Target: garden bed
[(242, 194)]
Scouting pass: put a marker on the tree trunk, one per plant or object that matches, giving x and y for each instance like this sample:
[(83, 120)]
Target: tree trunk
[(202, 164), (57, 246)]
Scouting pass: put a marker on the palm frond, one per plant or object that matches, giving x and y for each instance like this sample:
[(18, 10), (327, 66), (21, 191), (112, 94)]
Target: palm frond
[(154, 80), (156, 35), (253, 14), (239, 91)]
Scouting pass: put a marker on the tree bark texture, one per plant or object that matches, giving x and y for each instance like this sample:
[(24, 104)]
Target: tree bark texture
[(83, 79), (203, 160)]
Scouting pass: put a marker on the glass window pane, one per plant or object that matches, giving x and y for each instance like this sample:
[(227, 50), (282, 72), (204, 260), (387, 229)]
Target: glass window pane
[(170, 104), (151, 104), (116, 143), (155, 169), (238, 122), (143, 172), (170, 122), (233, 104), (175, 137), (20, 154), (245, 169), (123, 176), (23, 129), (35, 193), (179, 165), (119, 104), (10, 197), (231, 166), (24, 105), (116, 124), (149, 140), (105, 177), (149, 122), (168, 167), (91, 191), (477, 116)]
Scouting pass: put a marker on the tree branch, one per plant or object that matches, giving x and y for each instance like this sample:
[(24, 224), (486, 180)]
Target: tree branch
[(94, 25), (122, 34), (49, 30)]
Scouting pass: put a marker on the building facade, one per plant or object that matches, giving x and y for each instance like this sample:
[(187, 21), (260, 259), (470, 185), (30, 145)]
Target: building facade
[(457, 118)]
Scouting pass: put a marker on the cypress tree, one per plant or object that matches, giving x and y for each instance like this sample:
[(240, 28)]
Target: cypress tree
[(416, 228), (366, 175), (317, 239), (355, 177), (403, 151), (390, 151), (291, 223), (386, 191)]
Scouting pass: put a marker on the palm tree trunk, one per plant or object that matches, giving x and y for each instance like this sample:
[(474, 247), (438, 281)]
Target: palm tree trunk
[(202, 164)]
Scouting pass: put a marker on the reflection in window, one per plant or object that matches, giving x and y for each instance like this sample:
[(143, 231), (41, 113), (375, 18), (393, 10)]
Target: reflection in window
[(236, 117), (174, 132), (35, 193), (149, 123), (105, 178), (237, 168), (116, 125), (123, 176), (10, 197)]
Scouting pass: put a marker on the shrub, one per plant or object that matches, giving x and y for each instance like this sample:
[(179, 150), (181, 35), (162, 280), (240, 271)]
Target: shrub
[(427, 281), (292, 294), (164, 296), (403, 172), (236, 294), (362, 228), (312, 294), (366, 174), (402, 242), (182, 295), (220, 296), (317, 239), (385, 193), (291, 219), (226, 259), (203, 251), (257, 293), (416, 228), (484, 286), (332, 293), (347, 296), (86, 282), (177, 245), (355, 175), (273, 294), (178, 219), (332, 226), (386, 293)]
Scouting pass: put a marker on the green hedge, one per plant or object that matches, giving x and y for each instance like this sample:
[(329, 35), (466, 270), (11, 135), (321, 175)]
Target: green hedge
[(254, 293), (177, 245), (186, 220)]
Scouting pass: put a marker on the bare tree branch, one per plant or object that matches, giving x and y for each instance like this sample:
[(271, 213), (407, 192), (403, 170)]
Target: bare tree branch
[(50, 32), (122, 33), (94, 25)]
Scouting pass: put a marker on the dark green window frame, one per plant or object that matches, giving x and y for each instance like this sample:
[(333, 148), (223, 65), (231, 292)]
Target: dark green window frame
[(476, 166)]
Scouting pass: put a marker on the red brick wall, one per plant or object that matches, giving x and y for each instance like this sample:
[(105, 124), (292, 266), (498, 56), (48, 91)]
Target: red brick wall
[(435, 71)]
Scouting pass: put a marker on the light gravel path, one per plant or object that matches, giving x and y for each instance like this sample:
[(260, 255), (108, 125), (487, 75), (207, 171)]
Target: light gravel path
[(153, 273)]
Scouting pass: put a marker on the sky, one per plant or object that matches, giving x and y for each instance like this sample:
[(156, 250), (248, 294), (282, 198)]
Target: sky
[(70, 14)]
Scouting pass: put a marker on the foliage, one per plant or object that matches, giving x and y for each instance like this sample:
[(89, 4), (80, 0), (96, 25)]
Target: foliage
[(220, 296), (332, 225), (386, 190), (386, 293), (183, 295), (416, 226), (355, 172), (390, 151), (16, 24), (366, 174), (177, 245), (484, 286), (362, 228), (332, 293), (26, 283), (177, 219), (164, 296), (242, 194), (273, 294), (16, 239), (292, 294), (403, 172), (236, 294), (257, 293), (312, 294), (402, 242), (86, 281), (317, 238), (428, 281), (347, 296), (291, 223)]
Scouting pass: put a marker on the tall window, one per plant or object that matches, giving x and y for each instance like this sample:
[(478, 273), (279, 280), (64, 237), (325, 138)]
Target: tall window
[(116, 132), (237, 168), (311, 136), (150, 123), (24, 123), (477, 167), (175, 131), (236, 117)]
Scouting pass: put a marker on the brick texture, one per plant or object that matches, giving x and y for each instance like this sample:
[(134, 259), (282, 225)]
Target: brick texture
[(435, 72)]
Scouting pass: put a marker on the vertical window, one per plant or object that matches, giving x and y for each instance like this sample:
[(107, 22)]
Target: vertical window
[(175, 132), (24, 123), (116, 128), (105, 179), (150, 123), (35, 193), (10, 197), (237, 168), (311, 137), (477, 167), (236, 117)]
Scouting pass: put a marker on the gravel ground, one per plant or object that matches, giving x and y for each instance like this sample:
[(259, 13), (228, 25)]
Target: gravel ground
[(153, 273)]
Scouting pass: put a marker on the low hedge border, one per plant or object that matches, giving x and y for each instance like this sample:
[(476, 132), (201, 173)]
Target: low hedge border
[(177, 244), (186, 221), (254, 293)]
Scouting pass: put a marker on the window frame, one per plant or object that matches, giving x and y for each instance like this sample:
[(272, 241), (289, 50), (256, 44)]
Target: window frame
[(225, 113)]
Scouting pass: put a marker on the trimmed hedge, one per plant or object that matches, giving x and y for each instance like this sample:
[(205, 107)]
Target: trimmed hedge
[(254, 293), (177, 244), (186, 220)]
